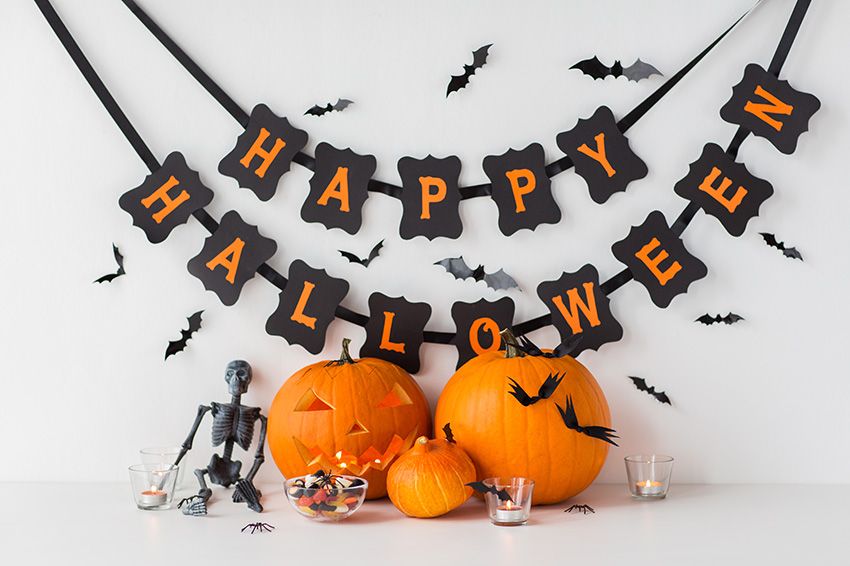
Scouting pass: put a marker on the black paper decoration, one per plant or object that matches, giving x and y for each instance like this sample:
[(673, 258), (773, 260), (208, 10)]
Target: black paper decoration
[(479, 59), (595, 68), (119, 261), (568, 415), (770, 108), (478, 324), (498, 280), (430, 197), (724, 189), (166, 198), (395, 330), (582, 508), (579, 307), (482, 487), (602, 155), (306, 307), (179, 345), (230, 257), (338, 188), (730, 318), (263, 152), (640, 384), (658, 259), (521, 189), (787, 251), (340, 105), (364, 261), (546, 389)]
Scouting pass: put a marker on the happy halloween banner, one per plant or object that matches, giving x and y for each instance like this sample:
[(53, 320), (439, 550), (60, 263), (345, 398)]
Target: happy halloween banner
[(653, 252)]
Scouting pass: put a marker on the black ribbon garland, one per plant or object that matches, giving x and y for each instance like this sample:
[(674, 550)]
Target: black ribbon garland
[(563, 164)]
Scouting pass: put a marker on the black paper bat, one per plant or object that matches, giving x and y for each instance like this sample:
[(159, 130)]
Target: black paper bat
[(447, 430), (568, 345), (595, 68), (641, 385), (119, 259), (479, 59), (185, 335), (341, 104), (568, 414), (771, 241), (730, 318), (365, 261), (498, 280), (547, 388), (481, 487), (582, 508)]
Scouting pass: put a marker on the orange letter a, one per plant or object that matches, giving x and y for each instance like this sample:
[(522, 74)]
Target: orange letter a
[(386, 344), (338, 189), (229, 258), (587, 306)]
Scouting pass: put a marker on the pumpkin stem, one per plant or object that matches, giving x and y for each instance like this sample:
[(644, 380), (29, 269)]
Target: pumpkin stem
[(344, 357), (512, 349), (421, 445)]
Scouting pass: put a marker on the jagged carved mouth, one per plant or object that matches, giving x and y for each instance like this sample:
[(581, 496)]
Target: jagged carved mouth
[(344, 462)]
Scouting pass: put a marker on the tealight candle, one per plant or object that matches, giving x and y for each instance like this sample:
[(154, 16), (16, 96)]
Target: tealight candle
[(649, 475), (510, 503), (649, 487), (153, 485), (510, 513), (153, 497)]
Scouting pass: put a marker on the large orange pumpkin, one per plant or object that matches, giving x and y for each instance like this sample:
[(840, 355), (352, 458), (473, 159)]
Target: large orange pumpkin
[(506, 439), (348, 416)]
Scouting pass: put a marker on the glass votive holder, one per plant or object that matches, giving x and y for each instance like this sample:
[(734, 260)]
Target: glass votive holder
[(509, 512), (649, 475), (164, 456), (153, 485)]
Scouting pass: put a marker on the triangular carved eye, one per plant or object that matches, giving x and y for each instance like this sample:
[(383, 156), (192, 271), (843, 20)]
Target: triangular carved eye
[(395, 398), (311, 402)]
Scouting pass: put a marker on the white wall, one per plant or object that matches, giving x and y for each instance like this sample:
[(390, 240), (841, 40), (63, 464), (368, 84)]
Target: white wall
[(85, 385)]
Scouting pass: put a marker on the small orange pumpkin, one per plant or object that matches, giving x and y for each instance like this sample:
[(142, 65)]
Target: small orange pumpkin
[(347, 416), (506, 439), (430, 479)]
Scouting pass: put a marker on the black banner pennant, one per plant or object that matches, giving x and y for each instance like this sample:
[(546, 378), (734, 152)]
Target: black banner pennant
[(338, 188), (579, 307), (306, 306), (166, 198), (263, 152), (658, 259), (770, 108), (521, 189), (602, 155), (230, 257), (430, 197), (724, 189), (395, 330), (477, 326)]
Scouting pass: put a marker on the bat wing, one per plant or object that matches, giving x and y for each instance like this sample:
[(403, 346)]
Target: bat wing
[(732, 318), (529, 347), (351, 257), (520, 395), (550, 385), (640, 70), (374, 253), (457, 82), (479, 57), (195, 322), (706, 319), (500, 280), (770, 240), (600, 433), (792, 253), (447, 430), (567, 346), (593, 67), (119, 259), (568, 414), (456, 266), (663, 398), (639, 382), (317, 110), (180, 344), (342, 104), (481, 487)]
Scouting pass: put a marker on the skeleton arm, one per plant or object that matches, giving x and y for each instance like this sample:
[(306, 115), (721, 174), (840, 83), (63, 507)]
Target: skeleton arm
[(187, 444), (259, 456)]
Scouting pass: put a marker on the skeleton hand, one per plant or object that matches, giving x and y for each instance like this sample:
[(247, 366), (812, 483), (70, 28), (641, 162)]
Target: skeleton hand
[(194, 506)]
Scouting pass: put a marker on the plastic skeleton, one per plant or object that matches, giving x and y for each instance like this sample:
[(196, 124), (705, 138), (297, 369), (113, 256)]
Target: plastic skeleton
[(233, 423)]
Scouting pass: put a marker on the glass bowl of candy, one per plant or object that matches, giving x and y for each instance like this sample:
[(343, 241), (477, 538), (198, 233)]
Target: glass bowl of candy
[(326, 497)]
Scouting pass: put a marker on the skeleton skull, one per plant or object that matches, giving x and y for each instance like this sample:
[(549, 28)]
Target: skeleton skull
[(238, 376)]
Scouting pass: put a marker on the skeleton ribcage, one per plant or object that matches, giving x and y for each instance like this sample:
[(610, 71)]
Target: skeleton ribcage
[(232, 422)]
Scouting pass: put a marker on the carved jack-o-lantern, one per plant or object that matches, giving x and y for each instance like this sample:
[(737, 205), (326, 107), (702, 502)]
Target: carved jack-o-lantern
[(349, 416)]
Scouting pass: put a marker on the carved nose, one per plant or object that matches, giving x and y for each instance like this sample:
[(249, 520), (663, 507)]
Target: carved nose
[(356, 428)]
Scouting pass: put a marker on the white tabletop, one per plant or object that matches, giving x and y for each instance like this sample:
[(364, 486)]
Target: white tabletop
[(697, 524)]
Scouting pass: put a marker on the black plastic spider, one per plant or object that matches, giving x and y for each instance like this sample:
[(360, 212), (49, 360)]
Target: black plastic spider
[(582, 508), (258, 528)]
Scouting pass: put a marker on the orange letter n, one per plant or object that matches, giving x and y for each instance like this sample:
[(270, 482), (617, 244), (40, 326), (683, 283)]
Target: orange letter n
[(652, 263), (338, 189), (168, 203), (598, 155), (428, 198), (520, 190), (773, 106), (229, 258), (386, 343), (586, 306), (298, 314), (258, 151), (717, 193)]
